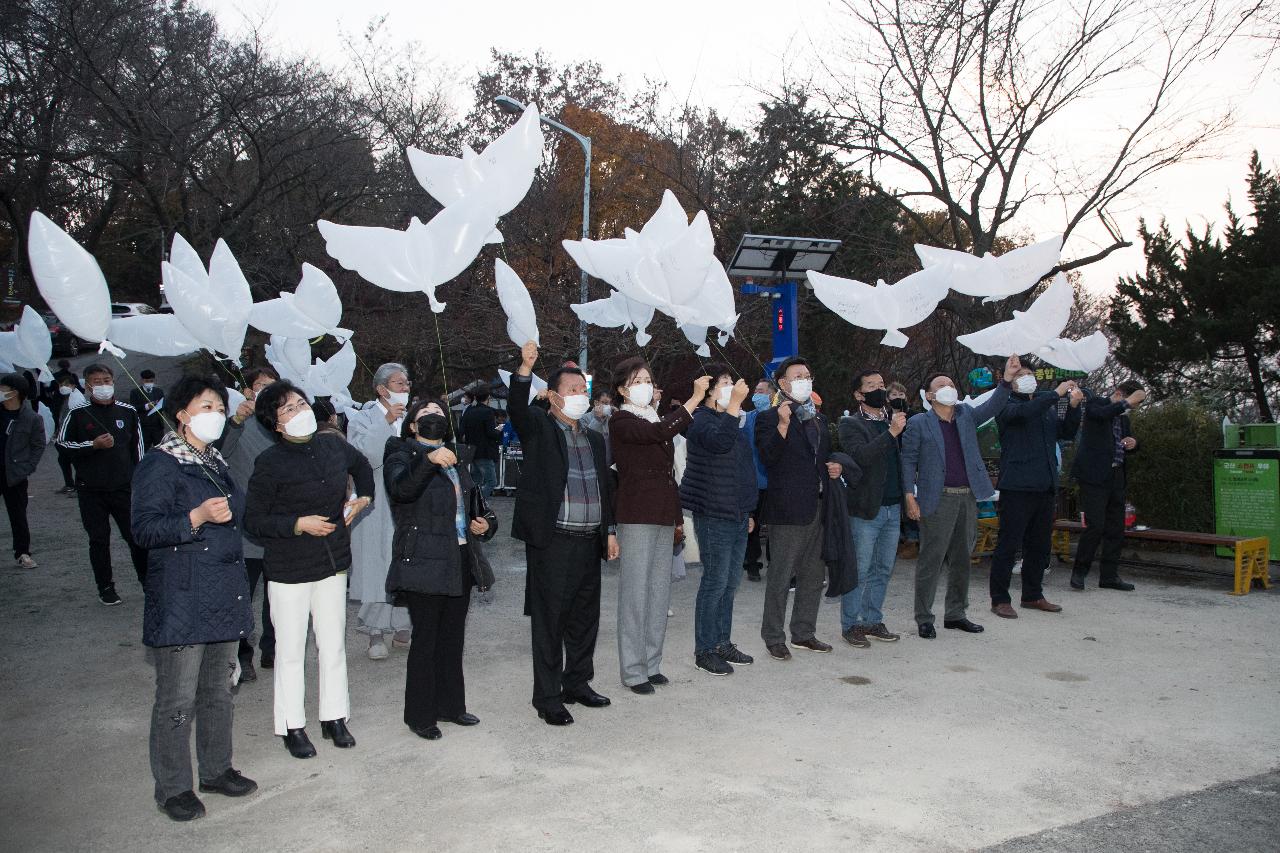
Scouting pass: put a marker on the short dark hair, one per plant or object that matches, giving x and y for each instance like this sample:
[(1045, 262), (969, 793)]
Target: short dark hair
[(187, 389), (628, 368), (414, 411), (97, 368), (253, 374), (863, 374), (553, 381), (63, 364), (323, 409), (787, 364), (715, 369), (148, 374), (264, 408), (599, 390), (1129, 386), (17, 382), (932, 376)]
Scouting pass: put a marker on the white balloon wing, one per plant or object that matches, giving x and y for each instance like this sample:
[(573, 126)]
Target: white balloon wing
[(537, 385), (69, 279), (332, 378), (185, 258), (618, 311), (1085, 355), (447, 179), (31, 344), (312, 309), (291, 357), (380, 255), (1029, 330), (522, 322), (508, 164), (991, 276), (196, 308), (231, 288), (153, 334)]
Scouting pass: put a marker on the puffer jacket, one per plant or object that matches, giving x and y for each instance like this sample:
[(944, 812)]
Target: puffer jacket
[(295, 479), (196, 588), (425, 557), (720, 474)]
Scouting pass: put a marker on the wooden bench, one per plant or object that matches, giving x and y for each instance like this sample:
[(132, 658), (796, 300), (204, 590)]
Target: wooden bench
[(1251, 553)]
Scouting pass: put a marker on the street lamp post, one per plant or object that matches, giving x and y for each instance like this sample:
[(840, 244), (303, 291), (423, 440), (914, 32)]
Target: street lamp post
[(511, 105)]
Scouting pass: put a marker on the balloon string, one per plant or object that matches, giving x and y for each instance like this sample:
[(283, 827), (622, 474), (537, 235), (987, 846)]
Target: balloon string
[(728, 363), (444, 376)]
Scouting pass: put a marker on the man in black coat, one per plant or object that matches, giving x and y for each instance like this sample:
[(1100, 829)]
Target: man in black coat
[(1105, 441), (1030, 430), (795, 447), (148, 400), (564, 515), (479, 427)]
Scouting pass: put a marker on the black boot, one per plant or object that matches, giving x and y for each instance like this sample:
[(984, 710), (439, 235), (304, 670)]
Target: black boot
[(336, 731)]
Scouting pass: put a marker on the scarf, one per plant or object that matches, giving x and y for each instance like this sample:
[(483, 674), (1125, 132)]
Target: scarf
[(644, 412), (179, 449)]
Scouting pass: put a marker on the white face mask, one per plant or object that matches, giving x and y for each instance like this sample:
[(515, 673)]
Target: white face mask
[(801, 390), (1025, 384), (301, 425), (398, 398), (104, 392), (606, 410), (148, 387), (640, 394), (207, 426), (947, 395), (64, 390), (575, 406), (723, 395)]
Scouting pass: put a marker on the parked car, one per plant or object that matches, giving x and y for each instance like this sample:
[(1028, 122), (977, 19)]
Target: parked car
[(130, 309), (64, 343)]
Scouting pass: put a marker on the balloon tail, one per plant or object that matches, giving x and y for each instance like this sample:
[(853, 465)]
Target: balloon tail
[(107, 346)]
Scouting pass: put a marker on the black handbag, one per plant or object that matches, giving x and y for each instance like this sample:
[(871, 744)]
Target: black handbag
[(478, 507)]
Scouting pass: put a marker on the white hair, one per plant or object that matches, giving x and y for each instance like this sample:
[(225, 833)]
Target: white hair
[(383, 374)]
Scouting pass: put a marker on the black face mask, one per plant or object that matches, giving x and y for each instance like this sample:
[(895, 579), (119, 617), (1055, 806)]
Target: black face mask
[(875, 399), (898, 404), (433, 427)]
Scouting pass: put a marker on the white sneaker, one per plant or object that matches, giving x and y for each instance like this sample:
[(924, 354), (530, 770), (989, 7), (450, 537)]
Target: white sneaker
[(25, 562), (377, 648)]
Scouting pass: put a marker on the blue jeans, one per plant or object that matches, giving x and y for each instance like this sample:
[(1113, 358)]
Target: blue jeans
[(876, 543), (485, 474), (722, 545)]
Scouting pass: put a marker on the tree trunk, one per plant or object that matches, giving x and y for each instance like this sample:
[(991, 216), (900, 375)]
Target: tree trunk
[(1259, 389)]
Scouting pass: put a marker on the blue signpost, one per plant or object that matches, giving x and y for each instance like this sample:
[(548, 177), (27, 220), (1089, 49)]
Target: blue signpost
[(783, 318)]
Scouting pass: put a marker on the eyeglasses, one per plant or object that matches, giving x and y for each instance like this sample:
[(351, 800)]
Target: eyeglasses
[(289, 411)]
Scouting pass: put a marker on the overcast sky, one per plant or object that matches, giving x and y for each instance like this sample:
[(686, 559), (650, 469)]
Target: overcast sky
[(722, 54)]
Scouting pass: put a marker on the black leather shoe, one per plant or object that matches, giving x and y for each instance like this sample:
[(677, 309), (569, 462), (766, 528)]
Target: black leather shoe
[(464, 719), (183, 807), (230, 784), (558, 717), (268, 661), (928, 632), (644, 688), (659, 679), (963, 625), (336, 731), (427, 732), (1123, 586), (1077, 581), (247, 672), (298, 744), (585, 696)]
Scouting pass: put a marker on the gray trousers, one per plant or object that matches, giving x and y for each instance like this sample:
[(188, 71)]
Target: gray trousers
[(946, 538), (794, 549), (191, 681), (644, 594)]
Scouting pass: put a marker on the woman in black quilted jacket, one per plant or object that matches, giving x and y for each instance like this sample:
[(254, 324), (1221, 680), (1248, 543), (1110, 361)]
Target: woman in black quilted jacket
[(186, 512), (436, 558)]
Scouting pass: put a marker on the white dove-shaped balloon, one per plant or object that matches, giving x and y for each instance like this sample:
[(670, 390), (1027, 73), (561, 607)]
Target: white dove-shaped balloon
[(70, 281), (291, 357), (1029, 330), (889, 307), (29, 344), (332, 377), (522, 323), (213, 304), (313, 309), (618, 311), (994, 276), (1085, 355)]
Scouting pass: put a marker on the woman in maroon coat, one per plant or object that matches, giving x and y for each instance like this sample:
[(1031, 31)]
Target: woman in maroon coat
[(647, 514)]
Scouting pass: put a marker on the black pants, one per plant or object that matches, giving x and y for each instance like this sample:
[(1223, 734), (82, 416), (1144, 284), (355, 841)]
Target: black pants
[(97, 509), (433, 686), (64, 462), (15, 501), (563, 603), (267, 640), (1103, 525), (751, 560), (1026, 521)]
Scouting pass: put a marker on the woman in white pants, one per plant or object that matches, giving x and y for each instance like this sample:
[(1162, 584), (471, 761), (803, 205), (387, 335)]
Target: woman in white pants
[(298, 509)]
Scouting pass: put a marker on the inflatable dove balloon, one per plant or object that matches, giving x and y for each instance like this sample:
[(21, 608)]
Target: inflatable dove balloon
[(29, 344), (153, 334), (522, 323), (618, 311), (536, 386), (291, 357), (992, 276), (1029, 330), (1085, 355), (888, 307), (313, 309), (70, 281), (332, 378)]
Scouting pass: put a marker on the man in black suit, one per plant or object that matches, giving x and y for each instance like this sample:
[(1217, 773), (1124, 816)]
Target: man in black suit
[(147, 400), (564, 515), (795, 448), (1105, 441)]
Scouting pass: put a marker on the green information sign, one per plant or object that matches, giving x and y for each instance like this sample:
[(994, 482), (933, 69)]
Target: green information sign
[(1246, 495)]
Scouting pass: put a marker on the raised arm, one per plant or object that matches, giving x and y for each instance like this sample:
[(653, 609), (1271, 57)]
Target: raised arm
[(640, 431)]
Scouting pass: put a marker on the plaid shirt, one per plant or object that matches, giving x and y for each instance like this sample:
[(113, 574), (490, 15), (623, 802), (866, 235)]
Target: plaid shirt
[(580, 509), (1117, 433)]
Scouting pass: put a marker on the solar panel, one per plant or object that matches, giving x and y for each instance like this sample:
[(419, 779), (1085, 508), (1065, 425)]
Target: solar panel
[(763, 256)]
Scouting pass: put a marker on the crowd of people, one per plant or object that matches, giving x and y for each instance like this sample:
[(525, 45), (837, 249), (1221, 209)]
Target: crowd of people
[(392, 511)]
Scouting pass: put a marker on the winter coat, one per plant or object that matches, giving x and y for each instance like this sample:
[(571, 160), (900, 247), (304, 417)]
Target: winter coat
[(1095, 454), (102, 469), (1029, 434), (719, 475), (196, 587), (295, 479), (645, 457), (23, 447), (873, 450), (425, 553), (240, 446), (797, 470), (838, 550)]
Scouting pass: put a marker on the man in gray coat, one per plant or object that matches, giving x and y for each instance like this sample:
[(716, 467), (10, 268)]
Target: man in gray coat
[(943, 478), (21, 446)]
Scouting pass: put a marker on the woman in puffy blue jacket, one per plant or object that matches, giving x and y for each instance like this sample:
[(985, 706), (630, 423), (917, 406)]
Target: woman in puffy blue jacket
[(719, 490), (187, 512)]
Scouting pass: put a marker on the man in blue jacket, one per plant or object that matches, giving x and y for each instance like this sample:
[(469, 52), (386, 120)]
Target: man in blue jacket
[(943, 478), (1030, 430)]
